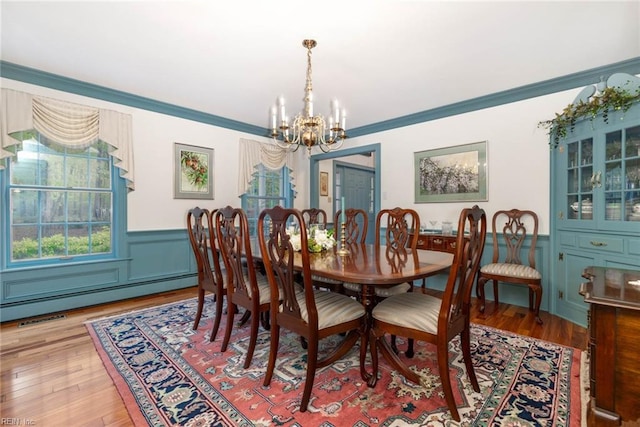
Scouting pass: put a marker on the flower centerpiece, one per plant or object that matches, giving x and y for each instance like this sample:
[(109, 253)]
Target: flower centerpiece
[(317, 240)]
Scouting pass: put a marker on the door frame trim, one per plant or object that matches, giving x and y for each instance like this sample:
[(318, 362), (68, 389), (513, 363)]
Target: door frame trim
[(314, 171)]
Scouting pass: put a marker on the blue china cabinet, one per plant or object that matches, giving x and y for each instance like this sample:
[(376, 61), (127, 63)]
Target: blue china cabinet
[(595, 199)]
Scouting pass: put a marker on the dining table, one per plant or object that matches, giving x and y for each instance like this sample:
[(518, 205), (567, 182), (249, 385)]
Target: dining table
[(373, 266)]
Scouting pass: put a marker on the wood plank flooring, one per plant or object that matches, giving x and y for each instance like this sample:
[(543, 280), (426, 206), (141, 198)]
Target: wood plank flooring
[(51, 374)]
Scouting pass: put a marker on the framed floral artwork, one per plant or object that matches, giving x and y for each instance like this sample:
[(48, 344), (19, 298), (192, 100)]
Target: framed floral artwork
[(193, 172)]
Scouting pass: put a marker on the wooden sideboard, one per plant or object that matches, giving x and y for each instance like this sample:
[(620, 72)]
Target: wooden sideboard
[(437, 242), (614, 345)]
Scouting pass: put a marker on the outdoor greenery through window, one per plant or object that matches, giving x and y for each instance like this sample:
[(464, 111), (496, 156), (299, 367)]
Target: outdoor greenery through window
[(61, 200), (268, 189)]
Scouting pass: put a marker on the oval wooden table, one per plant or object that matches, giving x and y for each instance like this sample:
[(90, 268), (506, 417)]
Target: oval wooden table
[(376, 266)]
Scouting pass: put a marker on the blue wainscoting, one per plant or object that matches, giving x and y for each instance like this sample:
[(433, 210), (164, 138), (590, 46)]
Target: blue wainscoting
[(158, 261), (153, 261)]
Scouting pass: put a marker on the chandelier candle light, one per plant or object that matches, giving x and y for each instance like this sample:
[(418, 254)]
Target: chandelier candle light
[(307, 129)]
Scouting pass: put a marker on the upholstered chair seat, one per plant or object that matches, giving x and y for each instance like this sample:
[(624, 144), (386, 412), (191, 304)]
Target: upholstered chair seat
[(411, 310), (513, 270), (263, 288), (333, 308)]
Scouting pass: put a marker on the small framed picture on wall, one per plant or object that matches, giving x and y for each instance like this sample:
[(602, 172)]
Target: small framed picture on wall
[(324, 183), (193, 172)]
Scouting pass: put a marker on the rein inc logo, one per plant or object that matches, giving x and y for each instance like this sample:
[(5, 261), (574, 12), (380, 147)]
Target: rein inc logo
[(17, 422)]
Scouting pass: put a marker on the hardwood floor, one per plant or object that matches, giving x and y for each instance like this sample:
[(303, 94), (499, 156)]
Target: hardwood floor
[(51, 374)]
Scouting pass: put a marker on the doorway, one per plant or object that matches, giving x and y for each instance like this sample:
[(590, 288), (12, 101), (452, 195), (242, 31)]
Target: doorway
[(373, 175), (357, 185)]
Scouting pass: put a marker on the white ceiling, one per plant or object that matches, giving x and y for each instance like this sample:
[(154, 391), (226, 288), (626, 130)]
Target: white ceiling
[(382, 59)]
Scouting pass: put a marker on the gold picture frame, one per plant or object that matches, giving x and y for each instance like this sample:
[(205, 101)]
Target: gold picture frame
[(324, 183)]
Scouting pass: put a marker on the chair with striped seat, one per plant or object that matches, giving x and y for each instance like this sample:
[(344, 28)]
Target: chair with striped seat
[(400, 227), (435, 320), (246, 286), (513, 229), (312, 313)]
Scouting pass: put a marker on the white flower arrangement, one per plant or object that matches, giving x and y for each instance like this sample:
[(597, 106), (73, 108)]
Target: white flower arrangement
[(321, 240)]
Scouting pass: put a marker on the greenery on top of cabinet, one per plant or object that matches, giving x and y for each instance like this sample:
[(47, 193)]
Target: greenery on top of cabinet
[(610, 99)]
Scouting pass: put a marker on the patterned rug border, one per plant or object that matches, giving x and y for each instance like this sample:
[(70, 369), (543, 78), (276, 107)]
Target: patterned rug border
[(138, 417)]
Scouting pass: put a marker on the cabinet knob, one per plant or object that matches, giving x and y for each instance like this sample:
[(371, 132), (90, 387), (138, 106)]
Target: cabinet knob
[(595, 243)]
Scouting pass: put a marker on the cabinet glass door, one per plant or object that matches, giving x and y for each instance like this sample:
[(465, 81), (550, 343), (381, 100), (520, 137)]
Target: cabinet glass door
[(622, 175), (580, 179)]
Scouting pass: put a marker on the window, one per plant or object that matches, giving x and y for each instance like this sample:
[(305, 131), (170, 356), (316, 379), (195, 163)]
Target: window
[(61, 201), (268, 189)]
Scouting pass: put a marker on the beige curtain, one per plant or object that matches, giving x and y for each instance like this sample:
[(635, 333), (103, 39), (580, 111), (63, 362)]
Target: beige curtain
[(71, 125), (254, 153)]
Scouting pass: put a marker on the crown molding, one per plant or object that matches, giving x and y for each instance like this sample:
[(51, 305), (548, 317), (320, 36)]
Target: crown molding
[(53, 81), (546, 87), (571, 81)]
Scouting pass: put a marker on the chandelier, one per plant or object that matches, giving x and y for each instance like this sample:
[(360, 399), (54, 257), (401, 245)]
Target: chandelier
[(308, 129)]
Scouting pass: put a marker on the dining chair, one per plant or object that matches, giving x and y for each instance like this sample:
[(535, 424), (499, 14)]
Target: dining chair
[(202, 239), (356, 225), (301, 308), (319, 216), (396, 228), (512, 228), (314, 216), (246, 286), (425, 317)]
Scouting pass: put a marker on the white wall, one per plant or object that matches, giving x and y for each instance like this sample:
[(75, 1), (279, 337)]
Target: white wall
[(518, 157), (517, 152)]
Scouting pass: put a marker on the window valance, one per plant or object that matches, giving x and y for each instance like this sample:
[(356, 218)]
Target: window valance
[(69, 124), (254, 153)]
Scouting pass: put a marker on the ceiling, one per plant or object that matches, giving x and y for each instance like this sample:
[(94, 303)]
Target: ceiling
[(383, 59)]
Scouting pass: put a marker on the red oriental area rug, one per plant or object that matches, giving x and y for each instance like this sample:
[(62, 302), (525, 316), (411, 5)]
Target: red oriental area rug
[(170, 375)]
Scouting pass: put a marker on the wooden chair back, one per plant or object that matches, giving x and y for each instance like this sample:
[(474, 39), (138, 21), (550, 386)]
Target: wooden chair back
[(244, 287), (356, 225), (513, 227), (314, 216), (232, 233), (277, 255), (400, 228), (456, 300)]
